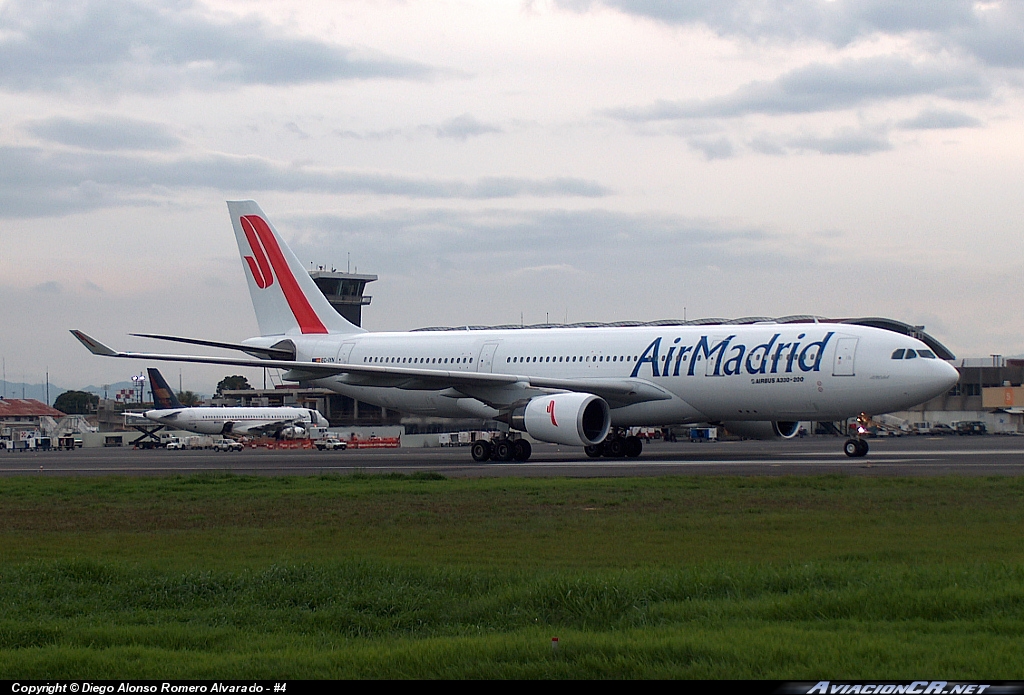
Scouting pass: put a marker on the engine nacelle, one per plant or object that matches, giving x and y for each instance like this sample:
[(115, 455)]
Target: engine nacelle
[(292, 432), (576, 419), (752, 429)]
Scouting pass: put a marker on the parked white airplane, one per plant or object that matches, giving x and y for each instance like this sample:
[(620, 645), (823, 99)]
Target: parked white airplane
[(573, 386), (283, 422)]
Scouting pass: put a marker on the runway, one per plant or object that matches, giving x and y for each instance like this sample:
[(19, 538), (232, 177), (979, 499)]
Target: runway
[(905, 456)]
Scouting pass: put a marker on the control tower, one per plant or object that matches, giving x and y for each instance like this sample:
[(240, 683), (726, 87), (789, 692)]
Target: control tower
[(344, 291)]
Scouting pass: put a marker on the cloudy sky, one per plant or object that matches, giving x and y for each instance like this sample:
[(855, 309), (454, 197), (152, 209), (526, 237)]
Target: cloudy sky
[(571, 159)]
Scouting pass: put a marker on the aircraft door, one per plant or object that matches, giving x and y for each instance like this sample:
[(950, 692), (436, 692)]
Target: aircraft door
[(485, 362), (344, 352), (846, 351), (713, 364)]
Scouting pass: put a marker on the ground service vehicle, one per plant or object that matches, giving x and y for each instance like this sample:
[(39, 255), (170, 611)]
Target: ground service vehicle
[(968, 427)]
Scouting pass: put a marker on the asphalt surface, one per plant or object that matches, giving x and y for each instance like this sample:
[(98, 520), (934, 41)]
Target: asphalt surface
[(904, 456)]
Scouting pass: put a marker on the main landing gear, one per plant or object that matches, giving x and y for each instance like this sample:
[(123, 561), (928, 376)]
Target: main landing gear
[(856, 447), (501, 450), (616, 445)]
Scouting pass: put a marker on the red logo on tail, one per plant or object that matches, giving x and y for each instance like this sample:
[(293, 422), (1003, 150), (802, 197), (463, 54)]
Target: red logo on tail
[(551, 411), (258, 266), (266, 254)]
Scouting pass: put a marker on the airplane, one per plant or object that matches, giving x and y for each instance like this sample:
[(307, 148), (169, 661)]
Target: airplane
[(281, 422), (575, 386)]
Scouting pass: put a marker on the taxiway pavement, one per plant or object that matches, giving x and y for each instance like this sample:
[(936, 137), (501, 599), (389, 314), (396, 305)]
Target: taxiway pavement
[(904, 456)]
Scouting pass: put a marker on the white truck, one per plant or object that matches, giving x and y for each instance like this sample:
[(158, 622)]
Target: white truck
[(331, 444)]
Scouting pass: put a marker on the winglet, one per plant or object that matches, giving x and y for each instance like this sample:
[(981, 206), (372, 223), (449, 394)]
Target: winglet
[(95, 346)]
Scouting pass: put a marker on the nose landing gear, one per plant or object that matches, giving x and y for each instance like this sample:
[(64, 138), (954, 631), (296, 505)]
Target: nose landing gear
[(857, 447)]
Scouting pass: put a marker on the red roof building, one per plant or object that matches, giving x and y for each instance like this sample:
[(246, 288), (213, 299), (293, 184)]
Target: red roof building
[(26, 410)]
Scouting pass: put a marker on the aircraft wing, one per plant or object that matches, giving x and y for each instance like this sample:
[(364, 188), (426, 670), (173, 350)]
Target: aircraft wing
[(266, 429), (494, 389)]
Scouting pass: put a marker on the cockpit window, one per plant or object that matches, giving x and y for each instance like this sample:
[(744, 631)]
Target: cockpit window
[(898, 354), (910, 355), (928, 354)]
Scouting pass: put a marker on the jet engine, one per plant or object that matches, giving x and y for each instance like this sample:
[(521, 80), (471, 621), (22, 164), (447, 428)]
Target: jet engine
[(576, 419), (291, 432), (752, 429)]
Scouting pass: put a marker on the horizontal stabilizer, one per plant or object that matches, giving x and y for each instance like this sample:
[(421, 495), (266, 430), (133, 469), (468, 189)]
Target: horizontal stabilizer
[(268, 352)]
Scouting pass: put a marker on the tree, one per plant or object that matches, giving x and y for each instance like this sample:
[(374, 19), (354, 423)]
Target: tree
[(76, 402), (233, 383), (188, 398)]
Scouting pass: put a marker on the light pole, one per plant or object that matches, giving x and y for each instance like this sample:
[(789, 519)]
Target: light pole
[(140, 381)]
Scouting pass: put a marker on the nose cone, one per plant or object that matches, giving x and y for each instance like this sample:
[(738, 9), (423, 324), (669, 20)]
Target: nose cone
[(946, 377)]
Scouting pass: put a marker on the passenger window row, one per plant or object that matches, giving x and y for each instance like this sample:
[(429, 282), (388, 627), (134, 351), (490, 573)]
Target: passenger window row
[(418, 360), (572, 358)]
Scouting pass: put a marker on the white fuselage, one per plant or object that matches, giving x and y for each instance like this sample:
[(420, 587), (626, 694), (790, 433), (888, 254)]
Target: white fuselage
[(759, 372), (237, 421)]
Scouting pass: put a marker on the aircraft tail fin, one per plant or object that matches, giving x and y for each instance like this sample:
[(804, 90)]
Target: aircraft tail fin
[(163, 396), (285, 298)]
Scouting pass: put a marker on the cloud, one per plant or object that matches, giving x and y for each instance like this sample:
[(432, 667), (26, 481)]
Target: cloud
[(823, 87), (992, 32), (458, 128), (372, 135), (560, 268), (35, 182), (935, 119), (293, 127), (49, 287), (105, 133), (129, 44), (844, 141), (453, 267), (716, 148), (463, 127), (839, 22), (513, 241)]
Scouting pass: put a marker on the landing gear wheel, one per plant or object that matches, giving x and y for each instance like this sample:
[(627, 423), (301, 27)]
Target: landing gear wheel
[(634, 445), (594, 451), (855, 448), (521, 450), (503, 451), (481, 451), (615, 448)]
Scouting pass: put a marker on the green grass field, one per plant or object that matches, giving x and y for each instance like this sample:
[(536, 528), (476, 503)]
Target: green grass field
[(392, 577)]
